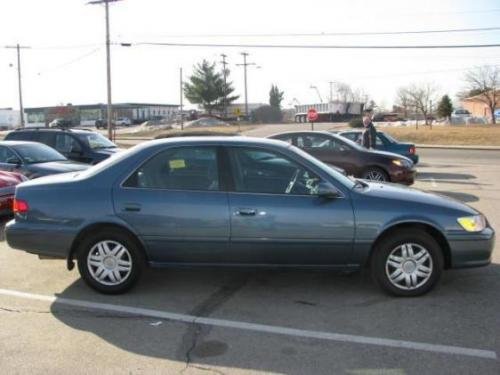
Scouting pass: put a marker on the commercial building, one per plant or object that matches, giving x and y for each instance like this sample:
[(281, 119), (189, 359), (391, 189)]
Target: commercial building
[(88, 114)]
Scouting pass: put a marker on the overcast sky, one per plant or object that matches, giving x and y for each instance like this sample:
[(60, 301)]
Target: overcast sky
[(66, 63)]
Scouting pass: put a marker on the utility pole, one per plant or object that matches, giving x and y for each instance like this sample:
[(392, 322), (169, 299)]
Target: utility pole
[(245, 64), (331, 91), (108, 64), (20, 86), (181, 96), (224, 72)]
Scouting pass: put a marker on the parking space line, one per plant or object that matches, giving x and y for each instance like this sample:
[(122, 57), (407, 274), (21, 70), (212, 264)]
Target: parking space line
[(261, 328)]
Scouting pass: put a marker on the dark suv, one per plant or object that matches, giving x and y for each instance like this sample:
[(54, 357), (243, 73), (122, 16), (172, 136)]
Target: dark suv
[(76, 144)]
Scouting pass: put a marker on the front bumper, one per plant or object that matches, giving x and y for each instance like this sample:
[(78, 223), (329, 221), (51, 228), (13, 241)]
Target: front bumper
[(403, 176), (471, 249), (36, 240)]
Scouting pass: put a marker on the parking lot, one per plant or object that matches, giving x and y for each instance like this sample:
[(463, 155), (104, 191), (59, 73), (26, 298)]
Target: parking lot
[(232, 321)]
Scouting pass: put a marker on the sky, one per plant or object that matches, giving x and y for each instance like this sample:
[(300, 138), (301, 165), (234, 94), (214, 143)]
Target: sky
[(66, 61)]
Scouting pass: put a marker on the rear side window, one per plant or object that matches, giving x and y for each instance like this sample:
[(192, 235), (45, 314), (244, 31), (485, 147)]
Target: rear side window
[(66, 143), (185, 168), (47, 138)]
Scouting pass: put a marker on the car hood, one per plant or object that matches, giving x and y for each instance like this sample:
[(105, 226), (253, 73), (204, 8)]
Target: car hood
[(396, 192), (52, 167), (108, 151), (387, 155)]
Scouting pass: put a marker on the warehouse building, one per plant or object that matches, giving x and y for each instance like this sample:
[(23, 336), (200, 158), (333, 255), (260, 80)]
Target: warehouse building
[(88, 114)]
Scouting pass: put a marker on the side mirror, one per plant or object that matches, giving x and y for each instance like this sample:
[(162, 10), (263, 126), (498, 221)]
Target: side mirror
[(326, 190)]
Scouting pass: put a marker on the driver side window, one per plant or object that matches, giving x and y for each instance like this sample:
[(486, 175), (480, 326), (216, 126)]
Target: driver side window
[(7, 156), (267, 172)]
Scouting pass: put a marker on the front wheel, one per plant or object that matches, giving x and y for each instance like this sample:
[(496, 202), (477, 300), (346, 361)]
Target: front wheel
[(110, 261), (408, 263), (375, 174)]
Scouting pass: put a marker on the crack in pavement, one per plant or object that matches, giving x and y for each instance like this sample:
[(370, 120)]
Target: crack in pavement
[(196, 332)]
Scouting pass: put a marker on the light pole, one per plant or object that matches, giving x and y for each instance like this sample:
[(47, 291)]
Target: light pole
[(181, 97), (224, 72), (19, 81), (109, 109), (317, 92)]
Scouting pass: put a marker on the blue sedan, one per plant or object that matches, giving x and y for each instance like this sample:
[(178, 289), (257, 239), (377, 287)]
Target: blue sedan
[(385, 142), (244, 202)]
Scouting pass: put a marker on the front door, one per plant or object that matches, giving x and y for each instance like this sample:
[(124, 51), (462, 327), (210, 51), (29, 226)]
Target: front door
[(175, 203), (277, 218)]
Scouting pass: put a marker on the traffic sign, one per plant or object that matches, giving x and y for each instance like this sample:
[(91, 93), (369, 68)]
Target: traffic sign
[(312, 115)]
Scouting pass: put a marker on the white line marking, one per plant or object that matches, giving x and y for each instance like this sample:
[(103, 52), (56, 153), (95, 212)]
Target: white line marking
[(330, 336)]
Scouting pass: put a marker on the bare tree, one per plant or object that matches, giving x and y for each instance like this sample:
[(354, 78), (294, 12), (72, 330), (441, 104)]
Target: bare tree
[(403, 101), (421, 98), (345, 95), (484, 82)]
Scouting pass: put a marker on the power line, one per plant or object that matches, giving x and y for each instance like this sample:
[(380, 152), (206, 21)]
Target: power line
[(355, 33), (311, 46), (71, 62)]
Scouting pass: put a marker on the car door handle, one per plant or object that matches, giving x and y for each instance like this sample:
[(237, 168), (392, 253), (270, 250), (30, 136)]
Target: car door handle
[(245, 212), (132, 207)]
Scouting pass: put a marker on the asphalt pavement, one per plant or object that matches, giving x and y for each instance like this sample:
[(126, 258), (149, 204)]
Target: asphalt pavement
[(231, 321)]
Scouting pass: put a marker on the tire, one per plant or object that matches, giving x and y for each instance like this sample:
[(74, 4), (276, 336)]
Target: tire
[(371, 172), (416, 275), (101, 269)]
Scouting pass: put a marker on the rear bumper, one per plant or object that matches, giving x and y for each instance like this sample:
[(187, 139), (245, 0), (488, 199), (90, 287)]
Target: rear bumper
[(36, 241), (471, 249)]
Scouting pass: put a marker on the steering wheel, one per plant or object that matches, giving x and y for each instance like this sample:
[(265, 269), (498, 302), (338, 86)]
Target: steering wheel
[(292, 182)]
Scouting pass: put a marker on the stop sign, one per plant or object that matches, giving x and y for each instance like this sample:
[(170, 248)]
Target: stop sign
[(312, 115)]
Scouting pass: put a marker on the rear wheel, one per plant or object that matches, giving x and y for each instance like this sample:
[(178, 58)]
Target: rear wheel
[(408, 263), (110, 261), (375, 174)]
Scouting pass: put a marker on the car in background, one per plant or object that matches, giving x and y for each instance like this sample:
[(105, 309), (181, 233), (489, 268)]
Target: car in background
[(80, 145), (8, 183), (241, 202), (123, 121), (34, 160), (353, 158), (61, 123), (385, 142)]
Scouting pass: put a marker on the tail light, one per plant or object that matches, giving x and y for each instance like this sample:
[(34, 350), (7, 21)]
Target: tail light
[(413, 150), (19, 206)]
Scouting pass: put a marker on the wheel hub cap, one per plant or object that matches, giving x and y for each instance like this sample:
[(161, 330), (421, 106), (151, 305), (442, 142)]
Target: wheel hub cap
[(109, 263), (409, 266)]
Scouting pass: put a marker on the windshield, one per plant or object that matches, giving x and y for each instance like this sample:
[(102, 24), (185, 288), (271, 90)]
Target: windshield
[(38, 153), (346, 181), (96, 141)]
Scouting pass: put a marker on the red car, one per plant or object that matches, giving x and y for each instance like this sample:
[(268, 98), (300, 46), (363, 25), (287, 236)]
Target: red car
[(8, 182)]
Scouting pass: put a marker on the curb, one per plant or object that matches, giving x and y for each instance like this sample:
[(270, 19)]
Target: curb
[(461, 147)]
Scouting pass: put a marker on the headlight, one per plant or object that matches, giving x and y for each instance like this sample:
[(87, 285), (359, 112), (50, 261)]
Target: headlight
[(474, 223), (402, 163)]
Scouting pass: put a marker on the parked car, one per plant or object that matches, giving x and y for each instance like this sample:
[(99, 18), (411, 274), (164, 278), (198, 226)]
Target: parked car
[(385, 142), (34, 160), (61, 123), (353, 158), (123, 121), (76, 144), (240, 201), (8, 183)]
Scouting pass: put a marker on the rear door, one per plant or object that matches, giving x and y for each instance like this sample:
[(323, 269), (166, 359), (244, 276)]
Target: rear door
[(276, 216), (176, 203)]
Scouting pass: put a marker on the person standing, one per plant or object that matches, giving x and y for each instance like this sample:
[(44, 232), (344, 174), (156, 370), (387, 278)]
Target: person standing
[(370, 133)]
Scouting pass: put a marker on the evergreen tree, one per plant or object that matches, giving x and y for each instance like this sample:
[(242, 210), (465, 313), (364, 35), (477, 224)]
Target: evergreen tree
[(275, 97), (206, 88), (445, 108)]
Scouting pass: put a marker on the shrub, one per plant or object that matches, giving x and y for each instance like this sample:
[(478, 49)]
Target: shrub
[(356, 122), (266, 114)]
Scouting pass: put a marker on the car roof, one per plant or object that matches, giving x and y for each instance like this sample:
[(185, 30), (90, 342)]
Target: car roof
[(19, 143), (217, 140), (72, 130)]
